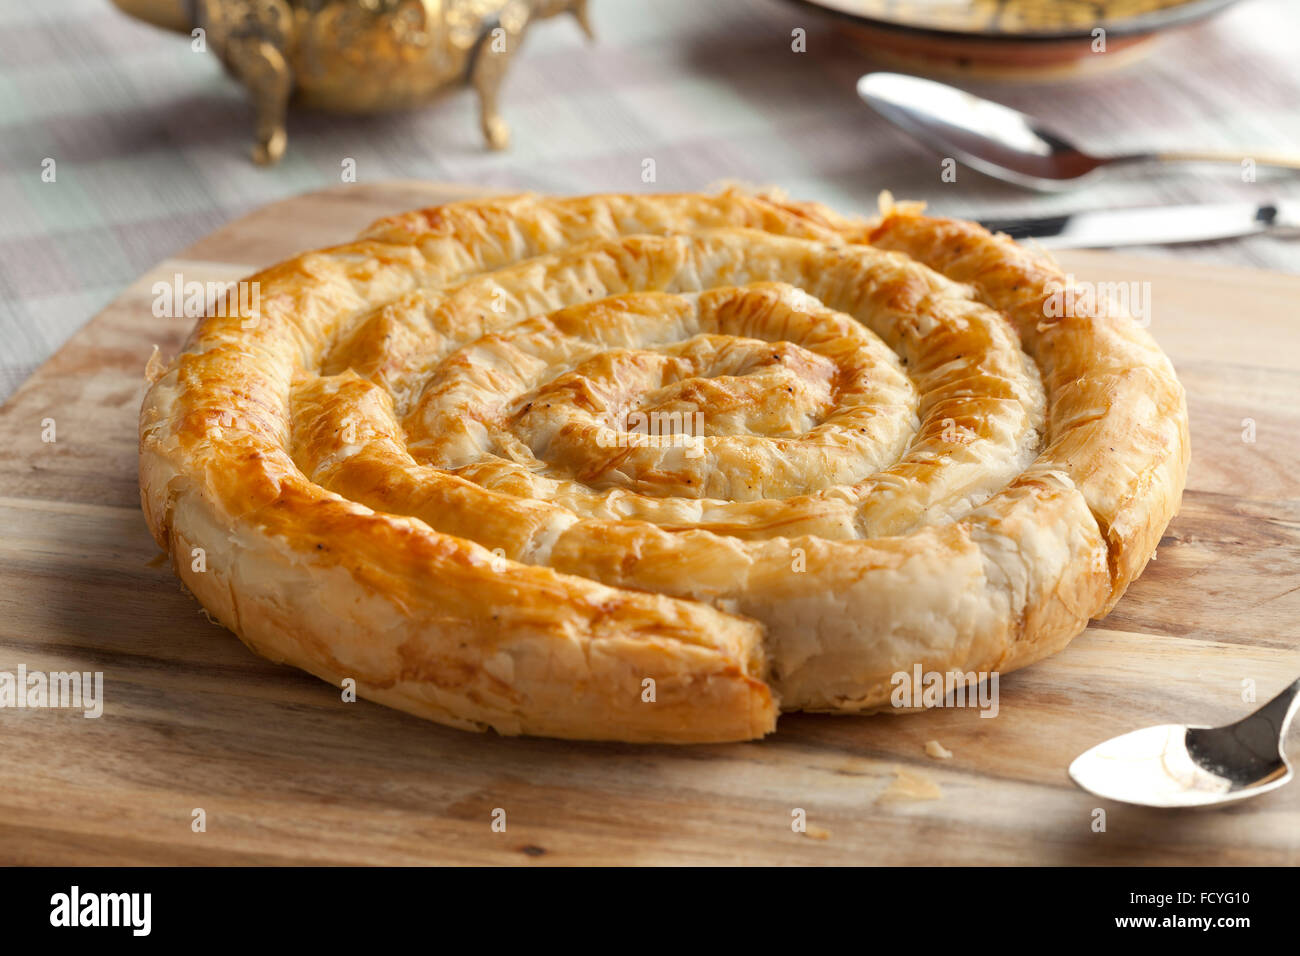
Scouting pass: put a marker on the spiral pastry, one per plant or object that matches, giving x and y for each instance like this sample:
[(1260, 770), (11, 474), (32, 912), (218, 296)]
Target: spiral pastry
[(653, 468)]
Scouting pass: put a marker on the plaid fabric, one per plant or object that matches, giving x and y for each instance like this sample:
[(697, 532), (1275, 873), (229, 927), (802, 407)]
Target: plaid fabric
[(151, 140)]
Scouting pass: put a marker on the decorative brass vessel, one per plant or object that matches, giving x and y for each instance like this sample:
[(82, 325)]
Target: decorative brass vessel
[(358, 56)]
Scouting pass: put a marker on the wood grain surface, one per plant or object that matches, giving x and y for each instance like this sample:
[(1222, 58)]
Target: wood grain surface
[(286, 772)]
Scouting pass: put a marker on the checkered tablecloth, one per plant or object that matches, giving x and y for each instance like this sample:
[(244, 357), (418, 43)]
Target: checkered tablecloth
[(151, 139)]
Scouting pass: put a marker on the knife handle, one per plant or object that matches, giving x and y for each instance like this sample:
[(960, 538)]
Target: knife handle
[(1036, 227)]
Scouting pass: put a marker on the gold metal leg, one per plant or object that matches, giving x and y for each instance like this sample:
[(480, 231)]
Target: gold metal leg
[(262, 68), (583, 16), (489, 70)]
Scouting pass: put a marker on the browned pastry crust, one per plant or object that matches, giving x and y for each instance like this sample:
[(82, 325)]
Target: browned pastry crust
[(415, 463)]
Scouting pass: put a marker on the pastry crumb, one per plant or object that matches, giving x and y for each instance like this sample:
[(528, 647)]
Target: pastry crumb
[(155, 367), (814, 832), (937, 750), (889, 206), (911, 786)]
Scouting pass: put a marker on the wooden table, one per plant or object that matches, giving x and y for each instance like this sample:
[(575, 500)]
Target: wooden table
[(287, 773)]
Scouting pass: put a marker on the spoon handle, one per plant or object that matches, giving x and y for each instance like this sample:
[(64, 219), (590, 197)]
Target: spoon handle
[(1279, 711), (1284, 160)]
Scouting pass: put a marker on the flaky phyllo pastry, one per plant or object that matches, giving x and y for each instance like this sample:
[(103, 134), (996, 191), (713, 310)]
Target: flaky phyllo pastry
[(654, 468)]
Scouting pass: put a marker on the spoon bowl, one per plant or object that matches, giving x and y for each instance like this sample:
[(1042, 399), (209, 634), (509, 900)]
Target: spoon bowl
[(1173, 765)]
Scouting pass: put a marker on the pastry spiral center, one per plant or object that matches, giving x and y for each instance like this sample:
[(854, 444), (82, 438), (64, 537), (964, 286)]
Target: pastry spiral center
[(735, 393)]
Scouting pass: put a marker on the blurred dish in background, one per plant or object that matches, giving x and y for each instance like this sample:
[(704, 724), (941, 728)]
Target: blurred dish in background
[(1013, 37)]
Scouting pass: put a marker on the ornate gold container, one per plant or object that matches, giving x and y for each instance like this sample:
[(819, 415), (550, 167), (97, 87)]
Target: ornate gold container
[(358, 56)]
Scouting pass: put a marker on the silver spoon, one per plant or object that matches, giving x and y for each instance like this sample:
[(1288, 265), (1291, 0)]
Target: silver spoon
[(1005, 143), (1176, 766)]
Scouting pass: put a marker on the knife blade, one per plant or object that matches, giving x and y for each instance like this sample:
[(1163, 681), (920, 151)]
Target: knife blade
[(1150, 225)]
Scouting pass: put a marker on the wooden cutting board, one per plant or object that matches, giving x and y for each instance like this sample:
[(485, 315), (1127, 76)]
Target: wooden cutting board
[(286, 772)]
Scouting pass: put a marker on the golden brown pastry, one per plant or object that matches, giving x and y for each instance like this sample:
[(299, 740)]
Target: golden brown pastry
[(652, 468)]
